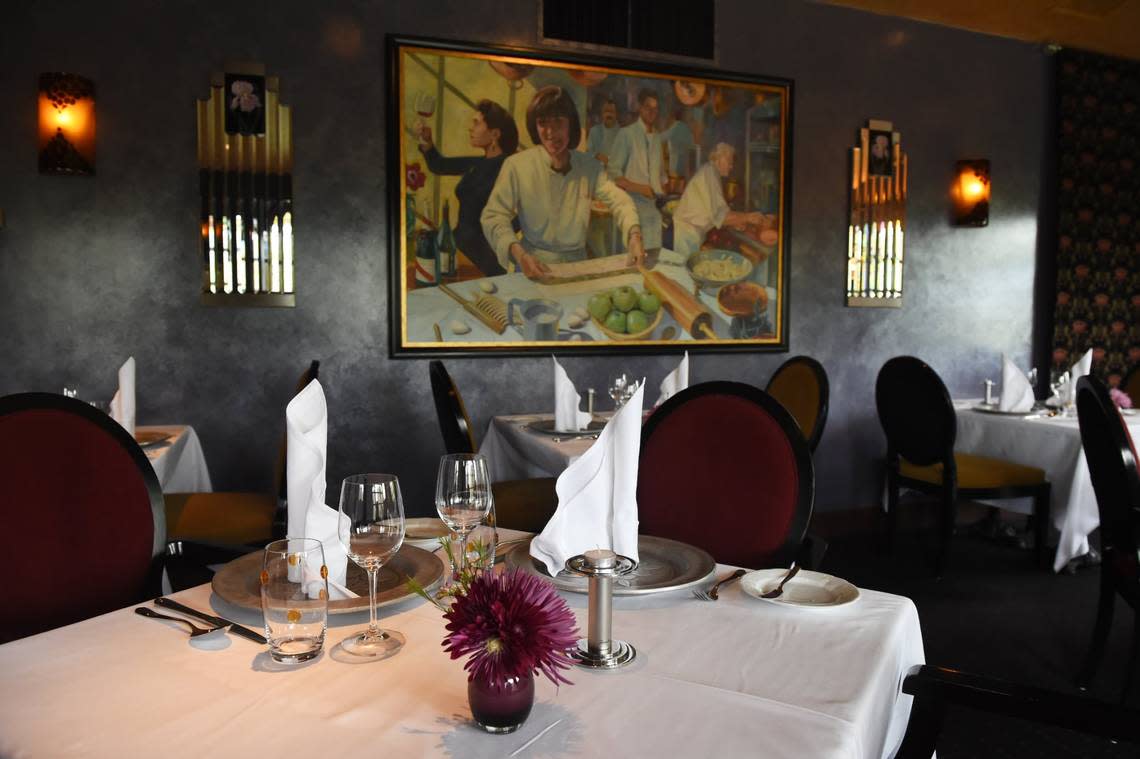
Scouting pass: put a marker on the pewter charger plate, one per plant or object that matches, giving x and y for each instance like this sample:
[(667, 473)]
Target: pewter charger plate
[(237, 582), (546, 427), (994, 409), (665, 565)]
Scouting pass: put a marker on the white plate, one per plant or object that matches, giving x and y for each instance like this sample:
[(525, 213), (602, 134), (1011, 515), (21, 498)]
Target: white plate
[(807, 589), (425, 532), (1128, 411)]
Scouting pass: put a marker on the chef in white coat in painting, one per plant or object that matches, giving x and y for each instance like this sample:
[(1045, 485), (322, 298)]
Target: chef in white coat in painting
[(637, 168), (703, 207)]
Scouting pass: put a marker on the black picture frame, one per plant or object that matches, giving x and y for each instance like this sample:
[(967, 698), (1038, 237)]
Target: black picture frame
[(458, 75)]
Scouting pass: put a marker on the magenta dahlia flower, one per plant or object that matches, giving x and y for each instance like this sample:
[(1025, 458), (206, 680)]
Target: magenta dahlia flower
[(512, 624), (1120, 398)]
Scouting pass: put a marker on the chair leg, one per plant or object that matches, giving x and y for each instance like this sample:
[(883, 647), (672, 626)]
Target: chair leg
[(892, 508), (949, 502), (1041, 527), (1133, 660), (1105, 606)]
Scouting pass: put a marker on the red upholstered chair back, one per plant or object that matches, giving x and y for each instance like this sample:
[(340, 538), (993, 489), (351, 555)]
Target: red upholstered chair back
[(725, 467), (81, 511)]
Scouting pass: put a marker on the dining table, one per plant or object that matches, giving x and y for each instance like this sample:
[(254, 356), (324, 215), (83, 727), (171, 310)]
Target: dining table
[(516, 451), (736, 677), (1050, 441), (175, 453)]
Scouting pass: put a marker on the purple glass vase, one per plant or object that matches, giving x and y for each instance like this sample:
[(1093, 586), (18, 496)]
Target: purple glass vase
[(500, 707)]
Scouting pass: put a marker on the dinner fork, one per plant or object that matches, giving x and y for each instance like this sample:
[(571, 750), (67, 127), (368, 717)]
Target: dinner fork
[(195, 631), (713, 593)]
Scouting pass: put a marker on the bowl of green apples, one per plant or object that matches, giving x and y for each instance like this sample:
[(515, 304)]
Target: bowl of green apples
[(624, 313)]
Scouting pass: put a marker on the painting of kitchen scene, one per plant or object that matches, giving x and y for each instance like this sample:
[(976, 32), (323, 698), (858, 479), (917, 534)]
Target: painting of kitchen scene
[(556, 206)]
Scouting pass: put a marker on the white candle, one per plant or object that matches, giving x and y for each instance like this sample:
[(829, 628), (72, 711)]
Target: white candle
[(600, 558)]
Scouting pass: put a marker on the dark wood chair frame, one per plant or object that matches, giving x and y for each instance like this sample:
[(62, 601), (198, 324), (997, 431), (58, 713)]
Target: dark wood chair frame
[(934, 688), (798, 545), (1113, 468), (923, 443), (453, 420), (824, 393)]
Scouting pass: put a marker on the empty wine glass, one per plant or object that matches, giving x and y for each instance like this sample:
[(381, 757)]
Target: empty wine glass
[(622, 387), (372, 532), (463, 496)]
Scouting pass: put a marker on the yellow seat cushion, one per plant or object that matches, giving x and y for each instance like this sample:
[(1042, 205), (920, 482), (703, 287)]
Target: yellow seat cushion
[(977, 472), (229, 518), (797, 390)]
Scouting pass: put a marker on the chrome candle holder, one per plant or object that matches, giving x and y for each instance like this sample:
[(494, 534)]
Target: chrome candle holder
[(599, 650)]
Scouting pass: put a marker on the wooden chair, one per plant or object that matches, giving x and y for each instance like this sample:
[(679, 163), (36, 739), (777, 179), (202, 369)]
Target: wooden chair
[(83, 512), (235, 518), (800, 385), (519, 504), (918, 418), (725, 467), (1112, 463), (934, 688)]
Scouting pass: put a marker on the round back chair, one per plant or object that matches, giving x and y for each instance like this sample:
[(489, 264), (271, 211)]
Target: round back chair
[(801, 385), (453, 420), (916, 412)]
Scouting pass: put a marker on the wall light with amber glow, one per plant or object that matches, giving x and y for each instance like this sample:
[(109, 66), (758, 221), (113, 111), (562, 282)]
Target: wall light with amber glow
[(67, 124), (971, 193)]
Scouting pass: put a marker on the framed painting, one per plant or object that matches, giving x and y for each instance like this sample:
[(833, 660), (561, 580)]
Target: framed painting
[(554, 202)]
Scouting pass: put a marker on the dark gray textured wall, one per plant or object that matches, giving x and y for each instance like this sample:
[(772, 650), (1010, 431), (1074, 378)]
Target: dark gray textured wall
[(92, 270)]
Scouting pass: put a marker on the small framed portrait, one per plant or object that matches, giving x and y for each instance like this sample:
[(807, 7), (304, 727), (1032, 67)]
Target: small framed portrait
[(879, 155), (245, 104)]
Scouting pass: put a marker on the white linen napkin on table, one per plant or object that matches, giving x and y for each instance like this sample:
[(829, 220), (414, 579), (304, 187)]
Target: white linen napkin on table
[(597, 495), (1067, 388), (675, 381), (306, 431), (567, 417), (1016, 392), (123, 402)]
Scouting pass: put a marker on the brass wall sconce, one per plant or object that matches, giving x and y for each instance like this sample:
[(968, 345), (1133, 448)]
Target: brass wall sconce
[(971, 193), (877, 223), (66, 124), (245, 176)]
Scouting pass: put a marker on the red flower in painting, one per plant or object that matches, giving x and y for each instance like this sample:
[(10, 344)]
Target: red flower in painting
[(511, 624), (414, 177)]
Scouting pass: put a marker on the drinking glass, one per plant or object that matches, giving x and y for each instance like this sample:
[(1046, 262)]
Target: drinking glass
[(294, 598), (622, 387), (463, 496), (372, 531)]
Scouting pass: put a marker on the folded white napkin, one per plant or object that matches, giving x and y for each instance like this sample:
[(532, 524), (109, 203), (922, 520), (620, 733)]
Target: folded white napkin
[(1066, 393), (675, 381), (567, 417), (123, 402), (306, 430), (597, 495), (1016, 392)]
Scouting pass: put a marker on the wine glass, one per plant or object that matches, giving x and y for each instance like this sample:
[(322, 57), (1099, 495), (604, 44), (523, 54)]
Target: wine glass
[(622, 388), (372, 531), (463, 496)]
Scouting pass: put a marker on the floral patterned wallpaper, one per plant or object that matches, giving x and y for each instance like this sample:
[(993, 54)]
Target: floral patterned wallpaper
[(1098, 246)]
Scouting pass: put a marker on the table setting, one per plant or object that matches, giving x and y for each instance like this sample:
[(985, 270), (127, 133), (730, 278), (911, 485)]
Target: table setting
[(582, 638)]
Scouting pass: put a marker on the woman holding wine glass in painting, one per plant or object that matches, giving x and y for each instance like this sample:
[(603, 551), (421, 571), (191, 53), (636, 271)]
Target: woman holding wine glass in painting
[(493, 131)]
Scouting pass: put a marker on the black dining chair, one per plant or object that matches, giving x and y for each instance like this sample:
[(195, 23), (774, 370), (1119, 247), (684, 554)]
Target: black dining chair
[(920, 424), (724, 467), (236, 518), (800, 385), (519, 504), (1112, 462), (936, 688), (84, 513)]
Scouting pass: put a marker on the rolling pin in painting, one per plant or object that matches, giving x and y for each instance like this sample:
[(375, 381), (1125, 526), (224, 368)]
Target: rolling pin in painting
[(682, 306)]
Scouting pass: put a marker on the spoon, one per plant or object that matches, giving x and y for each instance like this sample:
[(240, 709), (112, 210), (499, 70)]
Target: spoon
[(195, 631), (775, 592)]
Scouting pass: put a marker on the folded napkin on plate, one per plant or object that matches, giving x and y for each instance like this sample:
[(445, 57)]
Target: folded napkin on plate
[(1066, 393), (123, 402), (1016, 392), (675, 381), (567, 417), (306, 430), (597, 495)]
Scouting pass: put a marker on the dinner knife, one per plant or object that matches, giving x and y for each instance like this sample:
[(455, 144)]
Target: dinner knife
[(235, 628)]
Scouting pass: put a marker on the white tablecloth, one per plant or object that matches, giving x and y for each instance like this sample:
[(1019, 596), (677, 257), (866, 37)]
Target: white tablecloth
[(180, 463), (1052, 444), (739, 677), (515, 453)]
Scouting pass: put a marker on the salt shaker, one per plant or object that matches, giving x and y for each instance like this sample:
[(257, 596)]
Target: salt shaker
[(989, 392)]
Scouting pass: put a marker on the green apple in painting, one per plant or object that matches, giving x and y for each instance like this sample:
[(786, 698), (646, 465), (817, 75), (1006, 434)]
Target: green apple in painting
[(624, 298), (649, 303), (599, 306), (637, 321), (615, 321)]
